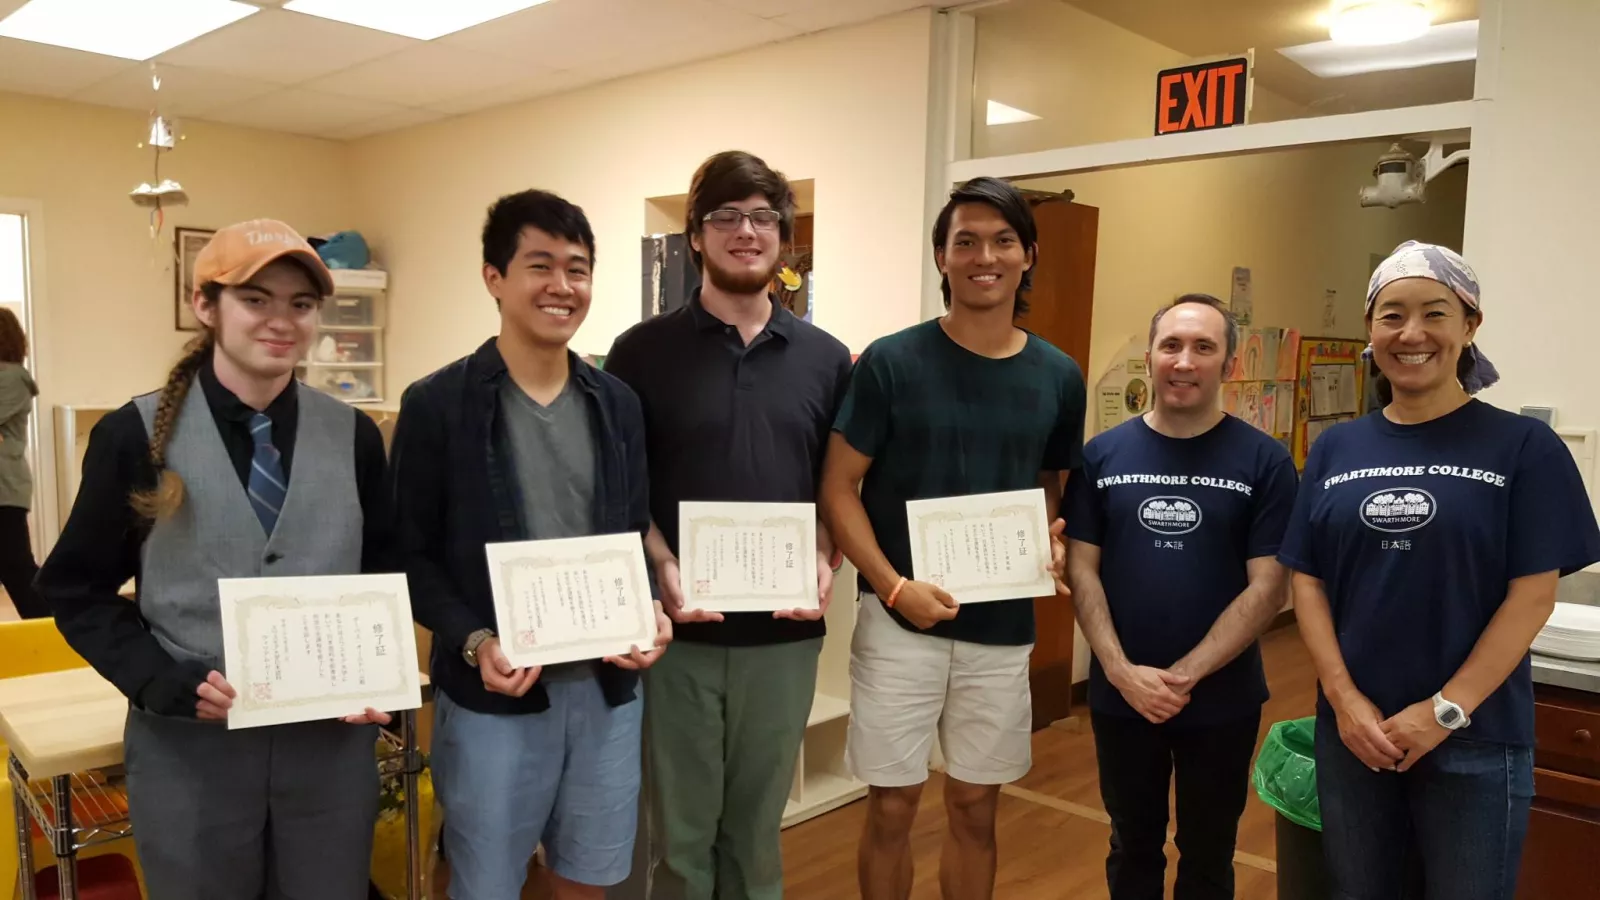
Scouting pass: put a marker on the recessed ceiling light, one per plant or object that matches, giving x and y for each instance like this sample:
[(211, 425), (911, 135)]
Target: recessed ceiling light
[(412, 18), (1001, 114), (120, 28), (1455, 42), (1371, 22)]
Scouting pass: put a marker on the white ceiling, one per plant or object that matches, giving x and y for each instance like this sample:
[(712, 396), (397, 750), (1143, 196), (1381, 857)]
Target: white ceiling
[(291, 72)]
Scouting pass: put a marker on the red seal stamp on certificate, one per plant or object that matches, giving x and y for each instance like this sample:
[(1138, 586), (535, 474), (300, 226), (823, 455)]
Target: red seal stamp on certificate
[(702, 587), (261, 691), (527, 639)]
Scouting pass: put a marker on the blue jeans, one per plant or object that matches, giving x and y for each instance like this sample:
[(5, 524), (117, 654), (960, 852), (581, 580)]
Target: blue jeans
[(567, 777), (1451, 828)]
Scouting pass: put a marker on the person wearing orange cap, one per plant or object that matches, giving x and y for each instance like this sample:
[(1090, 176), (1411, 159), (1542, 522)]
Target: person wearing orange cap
[(233, 469)]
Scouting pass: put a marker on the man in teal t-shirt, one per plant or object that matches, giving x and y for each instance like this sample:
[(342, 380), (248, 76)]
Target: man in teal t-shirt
[(965, 404)]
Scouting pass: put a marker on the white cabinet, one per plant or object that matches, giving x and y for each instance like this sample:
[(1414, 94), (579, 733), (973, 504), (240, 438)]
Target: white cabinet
[(345, 359), (822, 782)]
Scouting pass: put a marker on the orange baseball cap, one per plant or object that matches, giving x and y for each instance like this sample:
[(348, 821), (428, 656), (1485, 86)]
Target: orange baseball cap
[(236, 253)]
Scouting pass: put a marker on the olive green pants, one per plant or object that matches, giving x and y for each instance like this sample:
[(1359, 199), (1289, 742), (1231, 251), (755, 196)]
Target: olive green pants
[(723, 731)]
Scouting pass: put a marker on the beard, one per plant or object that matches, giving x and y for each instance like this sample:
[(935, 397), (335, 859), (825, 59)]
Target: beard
[(738, 283)]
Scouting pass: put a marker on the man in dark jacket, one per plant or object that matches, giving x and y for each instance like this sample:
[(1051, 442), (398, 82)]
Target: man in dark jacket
[(523, 440)]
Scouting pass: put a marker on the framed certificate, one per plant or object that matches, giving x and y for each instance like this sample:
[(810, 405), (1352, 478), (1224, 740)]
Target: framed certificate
[(748, 557), (983, 547), (571, 599), (322, 647)]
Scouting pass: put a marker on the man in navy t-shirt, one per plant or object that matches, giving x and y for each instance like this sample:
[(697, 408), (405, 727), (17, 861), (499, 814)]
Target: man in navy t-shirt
[(1174, 523)]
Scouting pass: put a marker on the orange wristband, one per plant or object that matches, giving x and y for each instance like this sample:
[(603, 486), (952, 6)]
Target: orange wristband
[(895, 594)]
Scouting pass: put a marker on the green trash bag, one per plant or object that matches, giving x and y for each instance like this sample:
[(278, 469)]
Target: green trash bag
[(1286, 772)]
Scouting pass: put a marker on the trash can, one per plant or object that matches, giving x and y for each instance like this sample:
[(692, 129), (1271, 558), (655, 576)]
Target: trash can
[(1286, 779)]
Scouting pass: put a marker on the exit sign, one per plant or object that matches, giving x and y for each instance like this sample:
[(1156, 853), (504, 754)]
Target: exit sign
[(1203, 96)]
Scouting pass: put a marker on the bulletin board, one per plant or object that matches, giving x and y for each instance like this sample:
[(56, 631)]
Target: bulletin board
[(1330, 387)]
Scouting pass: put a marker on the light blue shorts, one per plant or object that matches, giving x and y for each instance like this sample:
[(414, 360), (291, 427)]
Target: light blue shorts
[(567, 778)]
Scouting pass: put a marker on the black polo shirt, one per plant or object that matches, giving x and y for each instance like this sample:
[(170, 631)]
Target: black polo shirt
[(734, 423)]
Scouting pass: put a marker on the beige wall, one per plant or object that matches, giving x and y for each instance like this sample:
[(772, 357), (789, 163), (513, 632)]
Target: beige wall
[(104, 313), (847, 108), (108, 286), (1531, 227), (1290, 217)]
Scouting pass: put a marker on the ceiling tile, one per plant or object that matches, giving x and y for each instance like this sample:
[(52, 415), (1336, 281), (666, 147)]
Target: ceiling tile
[(427, 74), (300, 111), (515, 92), (824, 14), (184, 92), (768, 9), (285, 48), (575, 34), (392, 122), (29, 68)]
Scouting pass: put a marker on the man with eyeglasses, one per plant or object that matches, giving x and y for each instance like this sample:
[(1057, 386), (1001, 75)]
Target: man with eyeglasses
[(738, 396)]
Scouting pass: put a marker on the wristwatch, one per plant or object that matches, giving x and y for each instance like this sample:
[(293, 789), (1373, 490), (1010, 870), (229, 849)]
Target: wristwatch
[(469, 650), (1449, 715)]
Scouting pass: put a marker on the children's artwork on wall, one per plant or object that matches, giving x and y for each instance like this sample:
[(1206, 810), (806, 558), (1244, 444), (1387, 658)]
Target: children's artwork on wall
[(1251, 403)]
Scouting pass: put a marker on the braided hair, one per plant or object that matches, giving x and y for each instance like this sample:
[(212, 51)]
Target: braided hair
[(164, 499)]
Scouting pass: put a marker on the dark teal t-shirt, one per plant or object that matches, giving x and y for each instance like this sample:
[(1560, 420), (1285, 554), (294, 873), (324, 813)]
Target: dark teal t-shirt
[(941, 421)]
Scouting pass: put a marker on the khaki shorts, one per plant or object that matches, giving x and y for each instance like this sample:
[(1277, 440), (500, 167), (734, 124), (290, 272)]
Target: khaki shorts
[(906, 687)]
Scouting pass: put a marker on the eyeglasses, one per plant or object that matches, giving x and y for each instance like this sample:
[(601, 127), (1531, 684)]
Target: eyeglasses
[(729, 219)]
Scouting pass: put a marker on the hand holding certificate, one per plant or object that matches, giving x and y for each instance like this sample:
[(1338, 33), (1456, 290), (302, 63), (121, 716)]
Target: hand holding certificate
[(325, 647), (984, 547), (572, 599), (749, 557)]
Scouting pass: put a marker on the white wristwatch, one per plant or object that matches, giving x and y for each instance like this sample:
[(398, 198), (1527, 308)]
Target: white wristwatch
[(1449, 715)]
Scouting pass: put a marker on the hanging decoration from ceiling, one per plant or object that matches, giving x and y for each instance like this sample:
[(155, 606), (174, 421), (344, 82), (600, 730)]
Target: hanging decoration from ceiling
[(159, 193)]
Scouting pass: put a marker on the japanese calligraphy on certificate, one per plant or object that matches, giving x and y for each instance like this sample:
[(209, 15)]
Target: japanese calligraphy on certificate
[(983, 547), (748, 557), (571, 599), (301, 649)]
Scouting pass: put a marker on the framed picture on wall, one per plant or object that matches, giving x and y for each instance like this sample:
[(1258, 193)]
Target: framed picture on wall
[(187, 243)]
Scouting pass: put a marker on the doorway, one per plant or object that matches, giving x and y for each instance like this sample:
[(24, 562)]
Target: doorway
[(16, 297), (1061, 311)]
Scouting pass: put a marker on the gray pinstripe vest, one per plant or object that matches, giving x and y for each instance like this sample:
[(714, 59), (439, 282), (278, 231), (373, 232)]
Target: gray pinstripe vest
[(215, 533)]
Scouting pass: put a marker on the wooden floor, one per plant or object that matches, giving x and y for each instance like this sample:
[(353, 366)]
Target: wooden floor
[(1052, 826)]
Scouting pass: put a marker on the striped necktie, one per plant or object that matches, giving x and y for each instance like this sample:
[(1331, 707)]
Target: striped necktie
[(268, 487)]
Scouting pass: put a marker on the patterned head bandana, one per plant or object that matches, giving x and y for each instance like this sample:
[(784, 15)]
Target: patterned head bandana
[(1414, 259)]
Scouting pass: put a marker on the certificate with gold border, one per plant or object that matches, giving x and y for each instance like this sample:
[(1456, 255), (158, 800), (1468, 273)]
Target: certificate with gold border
[(317, 647), (571, 599), (983, 547), (748, 557)]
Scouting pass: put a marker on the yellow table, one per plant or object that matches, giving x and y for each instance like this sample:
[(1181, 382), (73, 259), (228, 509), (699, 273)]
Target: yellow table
[(66, 727)]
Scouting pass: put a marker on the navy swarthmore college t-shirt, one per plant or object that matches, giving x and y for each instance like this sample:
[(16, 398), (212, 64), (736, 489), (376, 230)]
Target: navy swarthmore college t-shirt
[(1416, 532), (1176, 519)]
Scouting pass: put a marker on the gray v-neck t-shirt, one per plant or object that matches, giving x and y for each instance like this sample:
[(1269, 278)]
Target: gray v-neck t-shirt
[(552, 452)]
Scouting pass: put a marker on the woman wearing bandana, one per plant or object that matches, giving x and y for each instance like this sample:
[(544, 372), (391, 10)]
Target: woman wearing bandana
[(1426, 543)]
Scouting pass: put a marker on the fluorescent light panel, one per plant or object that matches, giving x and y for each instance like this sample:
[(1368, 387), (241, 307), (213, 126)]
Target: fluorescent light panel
[(120, 28), (412, 18), (1001, 114), (1455, 42)]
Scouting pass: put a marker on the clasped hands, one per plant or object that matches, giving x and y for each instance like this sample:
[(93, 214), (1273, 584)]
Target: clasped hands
[(1393, 744)]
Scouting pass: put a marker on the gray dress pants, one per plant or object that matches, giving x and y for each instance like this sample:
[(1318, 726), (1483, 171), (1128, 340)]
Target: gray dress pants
[(284, 812)]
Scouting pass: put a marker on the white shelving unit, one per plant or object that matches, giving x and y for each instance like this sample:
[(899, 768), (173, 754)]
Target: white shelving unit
[(345, 359), (822, 782)]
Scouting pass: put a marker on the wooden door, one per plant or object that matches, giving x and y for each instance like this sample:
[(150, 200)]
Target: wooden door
[(1061, 311)]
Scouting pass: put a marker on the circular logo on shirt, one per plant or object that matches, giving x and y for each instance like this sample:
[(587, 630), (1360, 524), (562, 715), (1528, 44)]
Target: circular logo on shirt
[(1170, 515), (1398, 509)]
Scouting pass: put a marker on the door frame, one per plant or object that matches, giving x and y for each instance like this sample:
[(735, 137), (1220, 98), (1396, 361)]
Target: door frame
[(42, 522)]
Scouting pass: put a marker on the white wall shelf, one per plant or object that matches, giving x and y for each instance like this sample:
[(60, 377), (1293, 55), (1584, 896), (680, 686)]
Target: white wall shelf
[(822, 781)]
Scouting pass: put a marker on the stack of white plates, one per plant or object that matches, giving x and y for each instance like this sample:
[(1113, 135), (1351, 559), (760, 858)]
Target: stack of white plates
[(1573, 632)]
